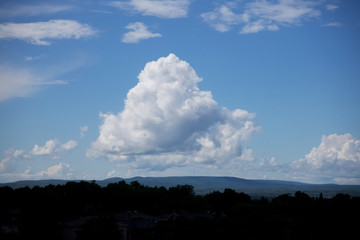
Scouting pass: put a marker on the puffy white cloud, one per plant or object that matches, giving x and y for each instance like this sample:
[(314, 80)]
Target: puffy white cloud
[(168, 121), (158, 8), (14, 157), (47, 149), (58, 171), (52, 148), (35, 32), (32, 10), (336, 158), (61, 170), (261, 15), (139, 31), (334, 148)]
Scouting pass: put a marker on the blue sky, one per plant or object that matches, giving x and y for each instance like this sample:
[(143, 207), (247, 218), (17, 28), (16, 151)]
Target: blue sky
[(265, 89)]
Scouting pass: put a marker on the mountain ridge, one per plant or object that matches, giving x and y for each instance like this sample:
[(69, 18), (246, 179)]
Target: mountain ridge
[(205, 184)]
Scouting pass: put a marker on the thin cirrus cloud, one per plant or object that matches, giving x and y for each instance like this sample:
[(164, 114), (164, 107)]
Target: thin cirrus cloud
[(15, 82), (331, 7), (168, 122), (337, 158), (138, 31), (223, 17), (36, 32), (333, 24), (261, 15), (32, 10), (157, 8), (20, 82)]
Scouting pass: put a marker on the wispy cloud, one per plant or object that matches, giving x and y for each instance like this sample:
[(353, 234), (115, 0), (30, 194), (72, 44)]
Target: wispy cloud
[(35, 32), (111, 173), (169, 122), (15, 82), (261, 15), (20, 82), (32, 10), (157, 8), (33, 58), (348, 180), (101, 11), (83, 130), (70, 145), (331, 7), (223, 17), (333, 24), (254, 27), (138, 31)]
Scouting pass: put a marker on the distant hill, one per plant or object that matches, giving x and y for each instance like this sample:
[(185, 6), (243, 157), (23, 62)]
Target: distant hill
[(255, 188), (203, 185)]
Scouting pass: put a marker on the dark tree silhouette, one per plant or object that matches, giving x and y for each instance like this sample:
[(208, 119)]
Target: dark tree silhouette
[(141, 212)]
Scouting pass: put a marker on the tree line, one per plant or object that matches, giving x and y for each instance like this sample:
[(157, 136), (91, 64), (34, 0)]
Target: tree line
[(28, 213)]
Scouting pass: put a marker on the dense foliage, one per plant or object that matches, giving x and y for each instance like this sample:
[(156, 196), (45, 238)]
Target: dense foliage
[(84, 210)]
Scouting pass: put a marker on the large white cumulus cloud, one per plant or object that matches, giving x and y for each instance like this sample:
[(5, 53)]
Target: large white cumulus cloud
[(167, 120), (337, 158)]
